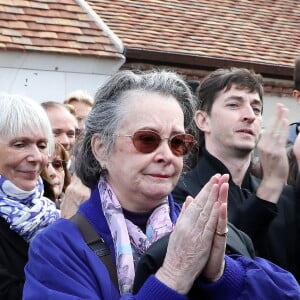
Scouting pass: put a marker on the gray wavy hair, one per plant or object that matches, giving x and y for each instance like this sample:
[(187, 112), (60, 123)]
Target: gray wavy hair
[(109, 111)]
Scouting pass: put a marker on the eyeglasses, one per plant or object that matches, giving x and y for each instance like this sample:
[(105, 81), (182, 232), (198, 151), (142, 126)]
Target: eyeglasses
[(146, 141), (56, 164)]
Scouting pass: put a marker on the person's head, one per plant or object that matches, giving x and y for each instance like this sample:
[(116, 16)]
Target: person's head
[(229, 109), (293, 166), (56, 175), (296, 91), (82, 103), (132, 111), (63, 122), (26, 140)]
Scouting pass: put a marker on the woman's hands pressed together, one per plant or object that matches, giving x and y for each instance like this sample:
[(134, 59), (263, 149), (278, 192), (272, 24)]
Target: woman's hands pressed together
[(194, 247)]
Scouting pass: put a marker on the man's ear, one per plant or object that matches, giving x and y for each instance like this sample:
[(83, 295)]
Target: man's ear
[(296, 95), (98, 148), (202, 120)]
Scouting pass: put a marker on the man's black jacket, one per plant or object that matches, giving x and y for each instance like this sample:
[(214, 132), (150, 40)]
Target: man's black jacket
[(274, 229)]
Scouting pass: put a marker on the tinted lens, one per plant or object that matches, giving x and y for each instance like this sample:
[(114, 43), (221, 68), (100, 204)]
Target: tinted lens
[(57, 164), (146, 141), (181, 144)]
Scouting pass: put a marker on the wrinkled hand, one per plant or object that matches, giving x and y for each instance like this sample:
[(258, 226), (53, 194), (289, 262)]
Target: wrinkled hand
[(193, 245), (75, 194), (273, 157)]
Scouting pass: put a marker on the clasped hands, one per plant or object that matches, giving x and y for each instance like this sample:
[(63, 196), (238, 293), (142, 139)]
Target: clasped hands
[(194, 247)]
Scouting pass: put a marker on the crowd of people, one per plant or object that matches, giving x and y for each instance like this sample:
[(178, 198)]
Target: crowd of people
[(165, 178)]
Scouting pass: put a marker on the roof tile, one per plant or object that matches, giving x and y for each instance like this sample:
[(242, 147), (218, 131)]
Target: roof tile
[(16, 24), (39, 5), (14, 10), (5, 39), (47, 34), (22, 40), (11, 32), (13, 46)]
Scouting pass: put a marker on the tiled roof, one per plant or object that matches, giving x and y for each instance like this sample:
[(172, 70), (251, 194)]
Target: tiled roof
[(261, 31), (52, 26)]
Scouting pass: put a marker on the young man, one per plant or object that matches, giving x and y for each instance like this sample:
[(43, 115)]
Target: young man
[(229, 117)]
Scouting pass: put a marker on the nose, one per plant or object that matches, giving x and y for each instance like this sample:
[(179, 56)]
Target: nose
[(64, 140), (164, 152), (248, 114), (35, 154), (51, 171)]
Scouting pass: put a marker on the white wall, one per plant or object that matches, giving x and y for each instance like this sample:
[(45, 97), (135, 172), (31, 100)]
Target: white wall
[(45, 77), (270, 106)]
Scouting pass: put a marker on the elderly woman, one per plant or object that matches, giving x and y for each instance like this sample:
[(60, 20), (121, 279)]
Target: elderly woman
[(25, 142), (131, 157)]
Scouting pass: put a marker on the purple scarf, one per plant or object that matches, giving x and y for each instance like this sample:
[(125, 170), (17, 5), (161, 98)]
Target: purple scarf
[(129, 240)]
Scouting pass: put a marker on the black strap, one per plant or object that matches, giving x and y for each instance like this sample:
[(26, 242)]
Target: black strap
[(97, 244)]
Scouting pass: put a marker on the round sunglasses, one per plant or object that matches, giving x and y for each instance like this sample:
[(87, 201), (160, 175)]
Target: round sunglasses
[(56, 164), (146, 141)]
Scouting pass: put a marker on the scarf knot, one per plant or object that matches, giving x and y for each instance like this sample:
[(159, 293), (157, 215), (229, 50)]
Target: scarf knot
[(27, 212)]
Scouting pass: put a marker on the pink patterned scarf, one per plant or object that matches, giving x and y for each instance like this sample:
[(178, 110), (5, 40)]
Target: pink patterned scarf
[(129, 240)]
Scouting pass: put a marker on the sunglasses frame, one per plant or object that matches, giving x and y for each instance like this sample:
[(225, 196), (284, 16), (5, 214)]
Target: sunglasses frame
[(61, 166), (187, 146)]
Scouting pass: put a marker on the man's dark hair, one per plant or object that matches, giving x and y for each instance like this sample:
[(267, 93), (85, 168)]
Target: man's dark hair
[(297, 74), (223, 79)]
